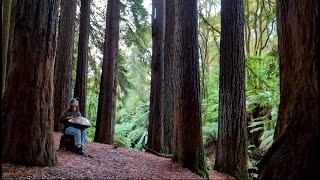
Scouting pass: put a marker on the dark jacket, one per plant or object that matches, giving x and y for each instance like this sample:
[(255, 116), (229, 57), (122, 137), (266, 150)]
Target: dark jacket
[(68, 113)]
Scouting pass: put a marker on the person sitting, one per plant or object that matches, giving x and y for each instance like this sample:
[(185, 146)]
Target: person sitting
[(78, 131)]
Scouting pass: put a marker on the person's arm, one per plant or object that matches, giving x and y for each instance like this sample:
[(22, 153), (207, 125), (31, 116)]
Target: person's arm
[(65, 117)]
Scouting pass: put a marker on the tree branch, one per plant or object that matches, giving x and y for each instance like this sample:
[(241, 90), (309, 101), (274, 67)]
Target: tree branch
[(142, 39), (247, 66), (206, 21)]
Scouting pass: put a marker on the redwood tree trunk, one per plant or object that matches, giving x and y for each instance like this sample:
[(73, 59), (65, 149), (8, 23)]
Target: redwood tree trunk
[(295, 152), (63, 60), (232, 136), (155, 127), (28, 117), (167, 81), (80, 89), (187, 134), (5, 41), (107, 96)]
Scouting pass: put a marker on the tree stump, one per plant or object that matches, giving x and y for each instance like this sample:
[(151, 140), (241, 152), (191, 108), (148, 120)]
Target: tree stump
[(67, 143)]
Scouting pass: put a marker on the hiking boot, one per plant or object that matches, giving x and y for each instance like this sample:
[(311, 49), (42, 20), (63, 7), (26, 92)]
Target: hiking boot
[(79, 150)]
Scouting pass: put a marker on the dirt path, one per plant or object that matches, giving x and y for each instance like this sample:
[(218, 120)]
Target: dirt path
[(107, 162)]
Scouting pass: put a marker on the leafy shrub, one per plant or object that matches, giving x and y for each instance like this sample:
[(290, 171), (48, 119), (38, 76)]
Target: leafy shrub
[(210, 131)]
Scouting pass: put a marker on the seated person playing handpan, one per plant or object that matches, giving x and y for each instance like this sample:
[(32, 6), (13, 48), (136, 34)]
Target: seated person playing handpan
[(78, 131)]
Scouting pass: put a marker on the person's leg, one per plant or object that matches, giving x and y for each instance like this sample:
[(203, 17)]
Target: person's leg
[(76, 133), (83, 137)]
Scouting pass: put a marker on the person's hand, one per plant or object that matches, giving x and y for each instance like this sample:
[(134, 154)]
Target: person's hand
[(69, 120)]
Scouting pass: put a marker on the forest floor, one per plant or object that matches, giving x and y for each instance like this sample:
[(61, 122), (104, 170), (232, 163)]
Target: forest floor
[(106, 162)]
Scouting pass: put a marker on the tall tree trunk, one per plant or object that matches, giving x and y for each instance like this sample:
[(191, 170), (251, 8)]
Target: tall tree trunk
[(107, 96), (187, 144), (63, 60), (232, 136), (295, 152), (155, 127), (5, 41), (247, 27), (28, 117), (80, 89), (167, 81), (255, 29)]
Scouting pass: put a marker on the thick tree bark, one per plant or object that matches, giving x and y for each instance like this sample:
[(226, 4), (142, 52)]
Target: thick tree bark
[(295, 152), (28, 117), (80, 89), (63, 60), (107, 96), (167, 81), (232, 136), (187, 144), (155, 127), (5, 41)]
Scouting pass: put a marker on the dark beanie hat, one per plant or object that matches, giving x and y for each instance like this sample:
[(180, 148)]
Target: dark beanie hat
[(72, 100)]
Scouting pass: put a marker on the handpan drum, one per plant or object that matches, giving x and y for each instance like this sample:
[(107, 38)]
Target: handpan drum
[(81, 121)]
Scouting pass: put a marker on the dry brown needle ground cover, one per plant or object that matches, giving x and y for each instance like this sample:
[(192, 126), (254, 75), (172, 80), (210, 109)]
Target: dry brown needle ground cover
[(107, 163)]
